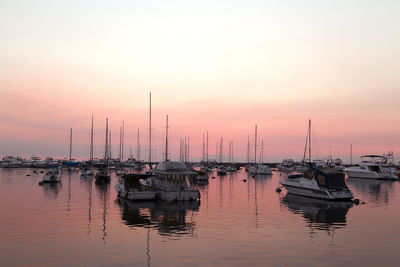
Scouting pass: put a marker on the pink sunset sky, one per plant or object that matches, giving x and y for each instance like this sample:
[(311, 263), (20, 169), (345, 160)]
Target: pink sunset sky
[(220, 67)]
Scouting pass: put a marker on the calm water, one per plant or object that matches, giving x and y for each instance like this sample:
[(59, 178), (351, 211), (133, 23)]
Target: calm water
[(79, 223)]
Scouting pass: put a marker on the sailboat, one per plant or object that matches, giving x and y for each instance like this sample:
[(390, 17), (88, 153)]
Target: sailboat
[(258, 169), (319, 183), (103, 175)]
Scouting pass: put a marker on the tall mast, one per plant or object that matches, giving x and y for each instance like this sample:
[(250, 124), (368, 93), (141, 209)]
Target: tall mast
[(120, 144), (91, 142), (351, 154), (138, 146), (216, 152), (70, 145), (309, 140), (123, 141), (305, 148), (220, 149), (106, 147), (207, 147), (166, 140), (248, 148), (262, 152), (255, 145), (204, 148), (150, 134), (109, 146), (188, 150)]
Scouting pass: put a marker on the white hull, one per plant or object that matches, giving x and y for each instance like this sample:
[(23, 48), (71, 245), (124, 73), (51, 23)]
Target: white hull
[(51, 177), (354, 172), (292, 187), (133, 194)]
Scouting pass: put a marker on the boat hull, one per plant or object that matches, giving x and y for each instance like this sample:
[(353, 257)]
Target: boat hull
[(365, 174), (134, 195), (317, 193)]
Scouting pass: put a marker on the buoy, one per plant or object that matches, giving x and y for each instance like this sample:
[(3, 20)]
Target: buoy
[(244, 180), (356, 201), (278, 190), (28, 175)]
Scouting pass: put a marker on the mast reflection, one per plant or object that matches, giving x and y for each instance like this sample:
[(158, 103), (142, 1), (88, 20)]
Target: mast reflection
[(103, 190)]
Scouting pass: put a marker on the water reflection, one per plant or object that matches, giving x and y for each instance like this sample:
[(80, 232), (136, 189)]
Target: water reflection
[(374, 190), (320, 214), (51, 190), (170, 219), (103, 191)]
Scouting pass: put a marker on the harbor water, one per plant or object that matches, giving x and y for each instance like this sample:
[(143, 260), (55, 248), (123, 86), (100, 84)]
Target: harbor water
[(240, 221)]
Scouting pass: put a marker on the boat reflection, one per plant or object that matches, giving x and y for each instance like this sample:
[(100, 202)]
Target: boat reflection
[(51, 190), (174, 219), (375, 191), (320, 214)]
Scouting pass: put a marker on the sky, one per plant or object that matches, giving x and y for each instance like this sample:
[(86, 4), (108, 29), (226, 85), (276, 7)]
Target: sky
[(216, 66)]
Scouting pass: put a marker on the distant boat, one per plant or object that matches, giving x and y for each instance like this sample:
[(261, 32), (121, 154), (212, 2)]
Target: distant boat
[(287, 165), (371, 167), (221, 170), (52, 175)]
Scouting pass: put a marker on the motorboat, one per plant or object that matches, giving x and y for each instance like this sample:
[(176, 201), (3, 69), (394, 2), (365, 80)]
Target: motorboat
[(172, 182), (52, 175), (287, 165), (260, 169), (130, 187), (321, 183), (371, 167)]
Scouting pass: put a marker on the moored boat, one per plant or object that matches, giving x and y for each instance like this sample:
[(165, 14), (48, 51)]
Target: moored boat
[(321, 183), (371, 167)]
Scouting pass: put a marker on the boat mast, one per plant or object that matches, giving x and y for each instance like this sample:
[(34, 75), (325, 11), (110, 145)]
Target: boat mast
[(70, 145), (262, 152), (309, 140), (305, 148), (166, 140), (351, 154), (207, 147), (204, 148), (120, 143), (109, 146), (150, 134), (123, 141), (106, 147), (138, 146), (220, 149), (91, 142), (255, 144), (248, 148)]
